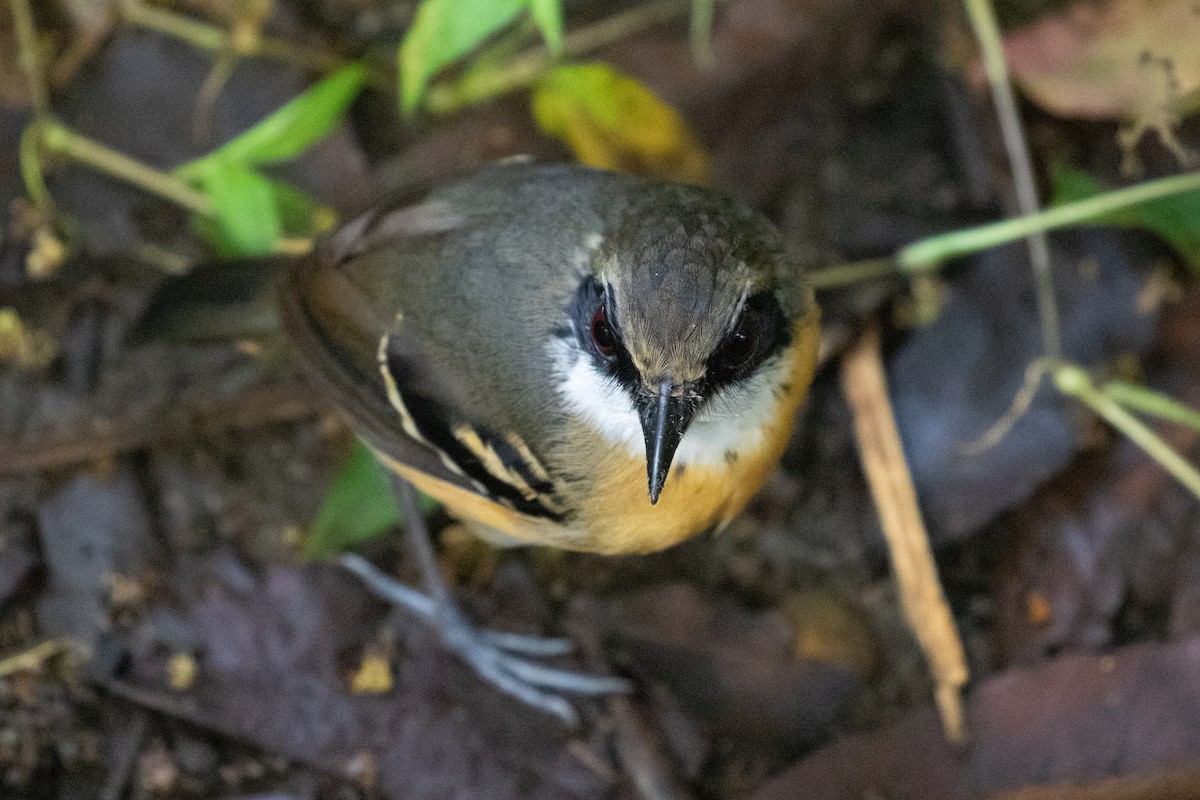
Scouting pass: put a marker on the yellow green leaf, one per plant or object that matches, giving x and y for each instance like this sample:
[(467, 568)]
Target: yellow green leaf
[(612, 121)]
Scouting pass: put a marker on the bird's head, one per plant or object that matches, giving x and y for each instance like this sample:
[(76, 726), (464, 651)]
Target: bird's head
[(683, 316)]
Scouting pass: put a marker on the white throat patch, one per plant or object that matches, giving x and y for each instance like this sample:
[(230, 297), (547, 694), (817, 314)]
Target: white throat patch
[(731, 422)]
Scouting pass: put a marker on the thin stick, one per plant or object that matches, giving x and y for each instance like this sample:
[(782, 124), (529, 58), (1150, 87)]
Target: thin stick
[(253, 408), (1163, 784), (1020, 404), (28, 57), (891, 484), (31, 660), (987, 31)]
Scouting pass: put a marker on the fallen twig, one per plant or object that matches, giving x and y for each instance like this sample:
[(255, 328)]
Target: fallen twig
[(639, 754), (183, 709), (1176, 784), (125, 753), (921, 595), (253, 408)]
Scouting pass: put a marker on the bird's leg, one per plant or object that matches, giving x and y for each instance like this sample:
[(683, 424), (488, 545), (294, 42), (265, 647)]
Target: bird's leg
[(502, 659)]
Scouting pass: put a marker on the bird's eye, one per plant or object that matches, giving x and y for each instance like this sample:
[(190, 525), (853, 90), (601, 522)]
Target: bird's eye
[(603, 335), (740, 347)]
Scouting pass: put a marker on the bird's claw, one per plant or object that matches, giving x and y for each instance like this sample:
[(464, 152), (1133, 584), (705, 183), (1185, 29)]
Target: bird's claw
[(503, 659)]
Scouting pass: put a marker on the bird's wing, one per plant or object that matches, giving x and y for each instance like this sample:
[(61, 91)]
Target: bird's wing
[(376, 373)]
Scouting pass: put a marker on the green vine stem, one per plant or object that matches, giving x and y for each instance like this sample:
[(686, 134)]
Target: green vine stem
[(933, 251), (28, 153), (54, 137), (213, 38), (1148, 401), (30, 159), (1075, 382), (700, 33), (843, 275)]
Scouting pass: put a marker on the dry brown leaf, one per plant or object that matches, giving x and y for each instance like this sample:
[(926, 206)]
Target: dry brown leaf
[(1129, 59)]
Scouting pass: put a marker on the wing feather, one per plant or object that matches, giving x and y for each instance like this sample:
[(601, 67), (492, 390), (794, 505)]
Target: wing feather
[(371, 365)]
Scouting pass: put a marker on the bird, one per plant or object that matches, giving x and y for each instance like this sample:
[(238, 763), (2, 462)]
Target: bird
[(562, 356)]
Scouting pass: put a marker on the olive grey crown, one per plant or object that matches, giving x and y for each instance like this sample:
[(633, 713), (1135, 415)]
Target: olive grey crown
[(678, 268)]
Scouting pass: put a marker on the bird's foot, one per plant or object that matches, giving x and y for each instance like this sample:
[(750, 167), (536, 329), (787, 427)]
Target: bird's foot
[(506, 660)]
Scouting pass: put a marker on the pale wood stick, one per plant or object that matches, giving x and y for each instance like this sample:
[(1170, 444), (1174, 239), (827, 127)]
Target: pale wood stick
[(888, 476)]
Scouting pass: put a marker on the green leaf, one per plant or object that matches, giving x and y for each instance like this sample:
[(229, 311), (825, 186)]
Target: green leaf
[(247, 218), (294, 127), (359, 506), (547, 15), (298, 213), (442, 32), (1176, 219)]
